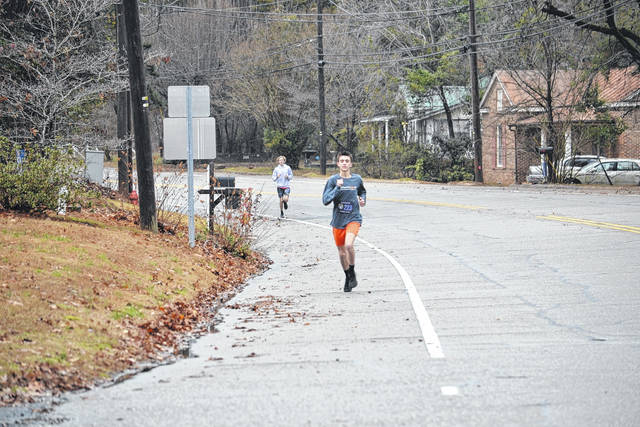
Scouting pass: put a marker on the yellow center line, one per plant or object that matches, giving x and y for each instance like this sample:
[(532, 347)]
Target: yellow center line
[(598, 224), (382, 199), (428, 203)]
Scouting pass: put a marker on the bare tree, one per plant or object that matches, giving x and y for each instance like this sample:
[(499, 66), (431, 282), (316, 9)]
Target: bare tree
[(57, 67), (356, 88), (195, 43)]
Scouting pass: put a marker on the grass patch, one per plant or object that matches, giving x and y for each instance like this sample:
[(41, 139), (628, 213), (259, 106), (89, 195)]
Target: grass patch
[(268, 170), (78, 295), (129, 310)]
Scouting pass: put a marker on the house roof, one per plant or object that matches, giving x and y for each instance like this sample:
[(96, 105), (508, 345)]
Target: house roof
[(619, 85), (522, 87), (456, 96)]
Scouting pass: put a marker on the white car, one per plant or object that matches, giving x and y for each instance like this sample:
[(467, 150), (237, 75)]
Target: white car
[(619, 171), (568, 169)]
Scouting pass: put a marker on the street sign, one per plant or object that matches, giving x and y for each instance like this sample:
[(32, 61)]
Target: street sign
[(175, 138), (189, 133), (177, 100)]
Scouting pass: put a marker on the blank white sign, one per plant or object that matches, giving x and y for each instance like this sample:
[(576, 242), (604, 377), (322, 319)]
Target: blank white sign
[(175, 138), (177, 100)]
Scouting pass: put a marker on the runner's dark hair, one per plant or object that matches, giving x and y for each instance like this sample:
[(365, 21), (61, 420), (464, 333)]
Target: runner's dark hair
[(345, 153)]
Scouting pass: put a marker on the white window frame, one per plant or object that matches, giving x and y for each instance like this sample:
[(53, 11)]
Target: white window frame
[(499, 96), (499, 148)]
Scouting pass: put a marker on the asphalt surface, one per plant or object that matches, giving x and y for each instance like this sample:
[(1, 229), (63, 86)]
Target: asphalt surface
[(530, 295)]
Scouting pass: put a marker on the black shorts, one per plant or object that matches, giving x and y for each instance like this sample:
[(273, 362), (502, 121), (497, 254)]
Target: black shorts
[(282, 191)]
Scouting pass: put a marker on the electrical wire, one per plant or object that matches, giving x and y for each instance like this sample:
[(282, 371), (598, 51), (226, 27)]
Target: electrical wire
[(361, 17), (457, 50)]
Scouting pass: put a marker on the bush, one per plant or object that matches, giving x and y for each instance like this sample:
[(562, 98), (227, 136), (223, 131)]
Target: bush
[(44, 180), (447, 159), (378, 162), (456, 173), (236, 230)]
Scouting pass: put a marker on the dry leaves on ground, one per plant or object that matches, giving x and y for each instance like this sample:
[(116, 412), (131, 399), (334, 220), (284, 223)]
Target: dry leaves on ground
[(90, 294)]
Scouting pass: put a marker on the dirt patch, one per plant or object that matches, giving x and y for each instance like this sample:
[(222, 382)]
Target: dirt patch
[(89, 294)]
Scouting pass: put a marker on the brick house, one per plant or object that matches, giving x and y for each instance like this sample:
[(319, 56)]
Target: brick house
[(514, 118)]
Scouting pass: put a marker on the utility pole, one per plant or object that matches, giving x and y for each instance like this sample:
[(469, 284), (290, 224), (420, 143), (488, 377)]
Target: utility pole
[(323, 126), (123, 114), (144, 160), (475, 95)]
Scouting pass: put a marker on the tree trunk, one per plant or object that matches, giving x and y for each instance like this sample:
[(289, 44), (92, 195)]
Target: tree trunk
[(447, 111)]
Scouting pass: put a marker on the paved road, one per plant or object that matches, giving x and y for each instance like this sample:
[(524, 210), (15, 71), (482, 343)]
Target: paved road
[(477, 306)]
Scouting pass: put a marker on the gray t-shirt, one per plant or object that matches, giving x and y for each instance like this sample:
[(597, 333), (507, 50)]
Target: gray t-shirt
[(346, 207)]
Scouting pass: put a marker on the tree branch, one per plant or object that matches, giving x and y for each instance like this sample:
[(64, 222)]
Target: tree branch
[(623, 35)]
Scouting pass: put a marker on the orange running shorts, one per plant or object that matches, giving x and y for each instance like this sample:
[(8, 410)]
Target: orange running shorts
[(340, 233)]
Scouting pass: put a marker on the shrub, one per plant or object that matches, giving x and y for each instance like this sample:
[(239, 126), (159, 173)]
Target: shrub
[(236, 230), (380, 162), (456, 173), (447, 159), (45, 179)]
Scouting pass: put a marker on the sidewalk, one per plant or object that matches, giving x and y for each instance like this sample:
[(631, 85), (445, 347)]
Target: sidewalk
[(291, 349)]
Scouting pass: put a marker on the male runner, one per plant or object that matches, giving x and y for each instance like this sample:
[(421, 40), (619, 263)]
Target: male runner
[(282, 174), (347, 192)]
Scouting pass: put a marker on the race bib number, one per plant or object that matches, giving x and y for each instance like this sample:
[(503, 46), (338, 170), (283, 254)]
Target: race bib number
[(345, 207)]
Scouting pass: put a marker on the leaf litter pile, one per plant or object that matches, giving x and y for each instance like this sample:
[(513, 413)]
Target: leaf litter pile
[(87, 295)]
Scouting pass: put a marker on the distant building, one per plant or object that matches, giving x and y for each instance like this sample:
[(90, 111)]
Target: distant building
[(514, 119), (426, 117)]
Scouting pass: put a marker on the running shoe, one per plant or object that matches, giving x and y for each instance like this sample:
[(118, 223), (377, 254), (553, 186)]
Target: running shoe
[(353, 282), (347, 288), (281, 214)]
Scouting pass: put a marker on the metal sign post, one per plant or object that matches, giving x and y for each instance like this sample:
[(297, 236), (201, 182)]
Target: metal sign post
[(190, 201), (189, 108)]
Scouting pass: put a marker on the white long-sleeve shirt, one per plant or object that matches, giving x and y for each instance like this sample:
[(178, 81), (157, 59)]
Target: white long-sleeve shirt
[(282, 174)]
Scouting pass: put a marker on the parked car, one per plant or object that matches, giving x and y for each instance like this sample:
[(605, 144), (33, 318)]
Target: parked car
[(620, 172), (568, 169), (535, 175)]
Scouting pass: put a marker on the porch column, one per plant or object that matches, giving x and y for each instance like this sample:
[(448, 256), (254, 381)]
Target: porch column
[(386, 135), (543, 144), (568, 149), (373, 138)]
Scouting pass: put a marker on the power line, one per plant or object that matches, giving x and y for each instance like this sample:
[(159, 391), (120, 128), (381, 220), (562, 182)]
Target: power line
[(406, 49), (361, 17), (487, 43), (458, 50)]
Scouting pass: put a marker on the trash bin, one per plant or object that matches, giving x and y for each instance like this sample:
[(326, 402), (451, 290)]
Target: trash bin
[(232, 195), (224, 181)]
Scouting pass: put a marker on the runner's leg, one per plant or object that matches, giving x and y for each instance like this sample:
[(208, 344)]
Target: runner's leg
[(350, 258), (349, 239)]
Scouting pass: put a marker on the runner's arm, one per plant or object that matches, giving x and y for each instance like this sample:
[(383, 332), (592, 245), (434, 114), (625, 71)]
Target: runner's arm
[(329, 192), (362, 192)]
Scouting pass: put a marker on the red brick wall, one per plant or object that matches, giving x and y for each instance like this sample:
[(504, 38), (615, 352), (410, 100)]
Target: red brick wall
[(628, 144), (629, 141), (492, 174)]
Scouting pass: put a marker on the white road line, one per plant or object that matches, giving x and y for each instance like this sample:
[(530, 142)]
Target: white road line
[(449, 390), (431, 340)]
